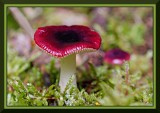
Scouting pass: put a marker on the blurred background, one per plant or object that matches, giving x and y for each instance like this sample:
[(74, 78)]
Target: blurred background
[(127, 28)]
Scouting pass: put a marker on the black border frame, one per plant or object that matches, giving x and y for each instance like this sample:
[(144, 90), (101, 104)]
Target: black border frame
[(3, 2)]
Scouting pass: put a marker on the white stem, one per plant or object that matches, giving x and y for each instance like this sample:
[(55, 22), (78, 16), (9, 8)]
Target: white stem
[(68, 69)]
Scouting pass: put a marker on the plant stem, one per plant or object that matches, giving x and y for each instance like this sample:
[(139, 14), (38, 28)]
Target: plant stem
[(68, 69), (127, 76), (22, 21), (127, 73)]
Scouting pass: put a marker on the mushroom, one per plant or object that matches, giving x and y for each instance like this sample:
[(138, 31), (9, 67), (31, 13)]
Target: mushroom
[(116, 56), (64, 42)]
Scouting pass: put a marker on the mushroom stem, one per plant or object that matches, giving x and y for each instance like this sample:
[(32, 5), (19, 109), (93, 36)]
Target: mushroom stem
[(68, 69)]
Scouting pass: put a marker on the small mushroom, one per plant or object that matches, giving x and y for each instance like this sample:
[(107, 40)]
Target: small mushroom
[(65, 42), (116, 56)]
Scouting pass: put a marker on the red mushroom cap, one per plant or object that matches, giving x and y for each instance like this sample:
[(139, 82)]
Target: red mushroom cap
[(61, 41), (116, 56)]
